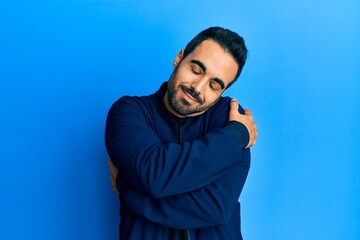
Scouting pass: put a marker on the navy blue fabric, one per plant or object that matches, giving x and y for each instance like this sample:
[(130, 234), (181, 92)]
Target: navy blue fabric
[(183, 176)]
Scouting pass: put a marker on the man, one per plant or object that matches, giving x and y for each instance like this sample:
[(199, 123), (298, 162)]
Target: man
[(180, 157)]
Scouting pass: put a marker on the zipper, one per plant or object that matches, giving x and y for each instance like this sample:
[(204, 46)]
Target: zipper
[(177, 234), (171, 233), (179, 127)]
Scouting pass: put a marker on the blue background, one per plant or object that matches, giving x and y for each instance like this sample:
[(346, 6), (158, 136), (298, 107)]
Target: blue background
[(63, 63)]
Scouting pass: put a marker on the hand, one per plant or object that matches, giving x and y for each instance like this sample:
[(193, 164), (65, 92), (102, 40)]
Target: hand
[(113, 174), (247, 119)]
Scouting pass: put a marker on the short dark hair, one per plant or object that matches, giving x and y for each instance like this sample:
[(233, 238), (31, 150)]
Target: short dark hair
[(229, 40)]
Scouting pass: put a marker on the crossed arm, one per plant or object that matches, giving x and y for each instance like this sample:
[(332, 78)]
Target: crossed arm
[(207, 201), (207, 206)]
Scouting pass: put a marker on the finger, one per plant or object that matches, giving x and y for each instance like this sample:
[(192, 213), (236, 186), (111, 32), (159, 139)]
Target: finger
[(114, 186), (109, 163), (112, 167), (115, 190), (113, 174), (113, 170), (234, 105), (247, 112), (113, 178)]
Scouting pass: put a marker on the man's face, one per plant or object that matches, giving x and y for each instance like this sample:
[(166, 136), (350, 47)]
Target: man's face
[(198, 81)]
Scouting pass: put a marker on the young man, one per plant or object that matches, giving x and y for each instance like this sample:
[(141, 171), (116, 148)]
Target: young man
[(180, 157)]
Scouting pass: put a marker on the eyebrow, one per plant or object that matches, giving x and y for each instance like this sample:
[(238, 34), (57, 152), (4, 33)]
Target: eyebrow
[(202, 66)]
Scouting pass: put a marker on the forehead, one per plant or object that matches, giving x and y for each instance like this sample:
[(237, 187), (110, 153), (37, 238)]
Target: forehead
[(218, 62)]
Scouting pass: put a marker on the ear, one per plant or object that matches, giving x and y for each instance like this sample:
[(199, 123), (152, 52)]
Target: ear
[(178, 58)]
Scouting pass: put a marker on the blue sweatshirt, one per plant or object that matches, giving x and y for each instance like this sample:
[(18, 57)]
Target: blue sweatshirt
[(177, 175)]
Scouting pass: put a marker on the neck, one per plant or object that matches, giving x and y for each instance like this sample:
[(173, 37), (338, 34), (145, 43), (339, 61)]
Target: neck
[(169, 107)]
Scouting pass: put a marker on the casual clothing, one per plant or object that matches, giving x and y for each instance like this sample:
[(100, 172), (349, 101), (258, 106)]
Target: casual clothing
[(177, 176)]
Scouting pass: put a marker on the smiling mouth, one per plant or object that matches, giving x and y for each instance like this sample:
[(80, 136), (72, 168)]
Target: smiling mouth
[(191, 95)]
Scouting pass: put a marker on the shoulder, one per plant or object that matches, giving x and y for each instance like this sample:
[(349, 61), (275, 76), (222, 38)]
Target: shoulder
[(218, 114), (223, 105), (132, 105), (133, 101)]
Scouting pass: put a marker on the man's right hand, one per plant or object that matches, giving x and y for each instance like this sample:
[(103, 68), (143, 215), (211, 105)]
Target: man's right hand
[(247, 119)]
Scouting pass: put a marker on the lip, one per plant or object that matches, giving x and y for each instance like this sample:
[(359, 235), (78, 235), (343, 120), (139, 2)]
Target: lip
[(188, 96)]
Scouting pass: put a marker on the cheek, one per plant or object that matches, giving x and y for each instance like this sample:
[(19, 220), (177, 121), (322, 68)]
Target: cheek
[(211, 97), (183, 76)]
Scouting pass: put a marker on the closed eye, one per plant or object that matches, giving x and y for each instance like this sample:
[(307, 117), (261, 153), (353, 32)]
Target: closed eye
[(218, 83), (195, 71), (214, 86)]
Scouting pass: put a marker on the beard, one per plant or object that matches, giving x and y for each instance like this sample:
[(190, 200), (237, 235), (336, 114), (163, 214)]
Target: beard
[(180, 105)]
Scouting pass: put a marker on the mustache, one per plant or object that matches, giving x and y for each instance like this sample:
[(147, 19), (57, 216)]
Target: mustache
[(192, 93)]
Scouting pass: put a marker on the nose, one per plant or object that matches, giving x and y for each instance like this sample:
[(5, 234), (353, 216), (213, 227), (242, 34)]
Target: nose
[(199, 84)]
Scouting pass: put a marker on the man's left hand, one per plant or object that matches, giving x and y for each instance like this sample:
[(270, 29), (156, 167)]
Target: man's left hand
[(113, 174)]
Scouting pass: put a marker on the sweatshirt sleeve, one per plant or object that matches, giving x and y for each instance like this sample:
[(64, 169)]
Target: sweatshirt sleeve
[(161, 170), (239, 131), (205, 207)]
